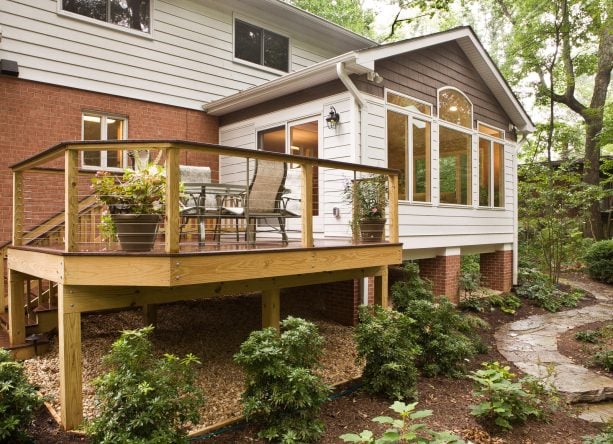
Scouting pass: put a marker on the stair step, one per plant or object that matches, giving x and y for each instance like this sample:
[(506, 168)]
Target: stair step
[(45, 306), (4, 321)]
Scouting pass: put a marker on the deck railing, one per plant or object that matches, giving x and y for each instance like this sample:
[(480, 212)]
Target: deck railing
[(210, 202)]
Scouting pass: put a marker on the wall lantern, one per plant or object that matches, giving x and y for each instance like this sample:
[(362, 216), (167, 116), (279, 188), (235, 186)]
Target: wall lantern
[(332, 119)]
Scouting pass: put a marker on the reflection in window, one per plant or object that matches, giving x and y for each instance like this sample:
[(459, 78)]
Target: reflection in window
[(455, 108), (133, 14), (260, 46), (304, 139), (408, 103), (102, 127), (397, 142), (454, 166), (421, 160), (272, 139), (490, 131), (498, 175), (491, 169)]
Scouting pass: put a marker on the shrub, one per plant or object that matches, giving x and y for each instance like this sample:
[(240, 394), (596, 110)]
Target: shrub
[(506, 399), (536, 287), (19, 401), (604, 359), (470, 274), (385, 340), (476, 304), (591, 336), (282, 393), (143, 398), (412, 288), (402, 431), (599, 260), (506, 302)]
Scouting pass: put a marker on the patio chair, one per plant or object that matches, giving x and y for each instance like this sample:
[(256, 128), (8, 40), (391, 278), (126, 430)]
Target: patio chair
[(265, 201)]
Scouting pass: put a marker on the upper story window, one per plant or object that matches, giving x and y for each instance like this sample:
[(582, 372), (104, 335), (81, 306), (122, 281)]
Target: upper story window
[(260, 46), (454, 107), (104, 127), (132, 14), (408, 103), (491, 166)]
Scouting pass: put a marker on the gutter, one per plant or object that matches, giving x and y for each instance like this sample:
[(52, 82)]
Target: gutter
[(519, 144), (357, 95)]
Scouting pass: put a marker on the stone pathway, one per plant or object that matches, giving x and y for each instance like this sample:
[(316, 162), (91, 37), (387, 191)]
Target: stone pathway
[(531, 344)]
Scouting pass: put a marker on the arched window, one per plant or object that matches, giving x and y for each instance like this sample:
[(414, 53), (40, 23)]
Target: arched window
[(454, 107)]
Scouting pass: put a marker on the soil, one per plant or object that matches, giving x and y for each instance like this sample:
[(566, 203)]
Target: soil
[(448, 398), (582, 352)]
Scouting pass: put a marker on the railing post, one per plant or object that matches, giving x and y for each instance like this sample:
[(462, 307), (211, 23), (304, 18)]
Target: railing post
[(17, 208), (172, 216), (307, 204), (393, 207), (17, 315), (71, 199)]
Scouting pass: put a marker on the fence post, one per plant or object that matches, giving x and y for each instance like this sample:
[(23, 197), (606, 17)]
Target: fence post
[(393, 207), (307, 204), (71, 199), (172, 215)]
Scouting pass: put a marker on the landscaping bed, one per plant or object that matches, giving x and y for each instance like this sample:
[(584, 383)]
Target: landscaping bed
[(214, 330), (597, 338)]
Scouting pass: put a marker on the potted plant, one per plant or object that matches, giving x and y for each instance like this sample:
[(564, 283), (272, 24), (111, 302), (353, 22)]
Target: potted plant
[(135, 204), (368, 197)]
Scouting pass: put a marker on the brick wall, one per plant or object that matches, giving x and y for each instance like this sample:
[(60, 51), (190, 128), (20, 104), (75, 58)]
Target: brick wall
[(497, 270), (443, 272), (35, 116)]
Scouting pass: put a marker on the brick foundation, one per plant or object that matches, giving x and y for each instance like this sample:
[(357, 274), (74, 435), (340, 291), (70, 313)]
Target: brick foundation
[(497, 270), (35, 116), (443, 272)]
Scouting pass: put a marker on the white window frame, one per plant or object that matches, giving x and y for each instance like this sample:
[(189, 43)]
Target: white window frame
[(135, 32), (438, 108), (104, 136), (411, 115), (491, 139), (265, 27)]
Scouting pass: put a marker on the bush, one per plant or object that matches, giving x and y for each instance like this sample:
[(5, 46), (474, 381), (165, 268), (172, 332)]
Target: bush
[(446, 336), (470, 274), (476, 304), (506, 399), (402, 431), (19, 401), (536, 287), (386, 342), (604, 359), (143, 398), (412, 288), (506, 302), (282, 393), (599, 260)]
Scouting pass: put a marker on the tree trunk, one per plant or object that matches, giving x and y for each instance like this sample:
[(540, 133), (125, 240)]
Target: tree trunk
[(591, 175)]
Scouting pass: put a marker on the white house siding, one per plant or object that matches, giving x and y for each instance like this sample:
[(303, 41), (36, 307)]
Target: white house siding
[(187, 61)]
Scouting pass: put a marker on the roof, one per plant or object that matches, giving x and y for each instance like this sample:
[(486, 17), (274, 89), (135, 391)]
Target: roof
[(363, 60)]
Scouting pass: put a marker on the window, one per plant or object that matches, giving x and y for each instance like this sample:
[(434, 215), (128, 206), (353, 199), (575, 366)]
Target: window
[(260, 46), (408, 147), (454, 107), (103, 127), (455, 166), (491, 167), (132, 14)]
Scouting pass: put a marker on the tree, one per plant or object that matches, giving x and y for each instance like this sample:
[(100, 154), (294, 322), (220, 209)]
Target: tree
[(349, 14), (563, 42)]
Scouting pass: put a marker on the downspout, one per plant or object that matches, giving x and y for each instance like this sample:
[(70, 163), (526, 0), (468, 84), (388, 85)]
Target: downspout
[(355, 92), (516, 208)]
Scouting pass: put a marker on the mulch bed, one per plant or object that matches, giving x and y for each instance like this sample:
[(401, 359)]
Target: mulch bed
[(582, 352), (216, 330)]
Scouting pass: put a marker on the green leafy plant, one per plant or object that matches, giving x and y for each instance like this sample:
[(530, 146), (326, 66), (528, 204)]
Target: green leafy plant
[(591, 336), (474, 303), (412, 288), (605, 437), (19, 400), (403, 430), (536, 287), (506, 399), (386, 342), (599, 260), (604, 359), (470, 274), (143, 398), (283, 394), (506, 302)]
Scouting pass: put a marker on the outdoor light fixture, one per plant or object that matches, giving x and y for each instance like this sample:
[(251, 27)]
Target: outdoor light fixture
[(333, 118)]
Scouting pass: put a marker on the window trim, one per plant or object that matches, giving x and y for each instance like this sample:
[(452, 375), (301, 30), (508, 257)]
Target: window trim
[(472, 134), (480, 123), (264, 27), (103, 133), (438, 108), (394, 106), (142, 34), (492, 140)]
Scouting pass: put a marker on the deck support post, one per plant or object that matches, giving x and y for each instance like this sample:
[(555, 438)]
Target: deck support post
[(307, 205), (393, 208), (17, 316), (150, 314), (381, 292), (271, 308), (71, 383)]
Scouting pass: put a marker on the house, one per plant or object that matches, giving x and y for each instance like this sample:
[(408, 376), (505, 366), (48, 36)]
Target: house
[(226, 85)]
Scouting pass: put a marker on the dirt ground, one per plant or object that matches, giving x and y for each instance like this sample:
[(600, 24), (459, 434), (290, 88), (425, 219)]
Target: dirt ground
[(448, 398)]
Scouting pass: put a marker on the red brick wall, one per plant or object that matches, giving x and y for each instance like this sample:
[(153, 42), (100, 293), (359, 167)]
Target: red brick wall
[(35, 116), (443, 272), (497, 270)]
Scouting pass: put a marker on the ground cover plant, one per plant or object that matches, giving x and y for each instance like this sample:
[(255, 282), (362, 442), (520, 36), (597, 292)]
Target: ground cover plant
[(283, 395), (386, 343), (402, 430), (536, 287), (19, 400), (143, 398), (599, 261), (507, 399)]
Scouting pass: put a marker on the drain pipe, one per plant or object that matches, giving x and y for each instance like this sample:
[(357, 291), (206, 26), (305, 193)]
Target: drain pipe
[(357, 96), (516, 208)]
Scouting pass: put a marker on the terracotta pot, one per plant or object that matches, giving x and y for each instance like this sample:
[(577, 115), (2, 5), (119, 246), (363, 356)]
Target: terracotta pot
[(136, 232), (372, 230)]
